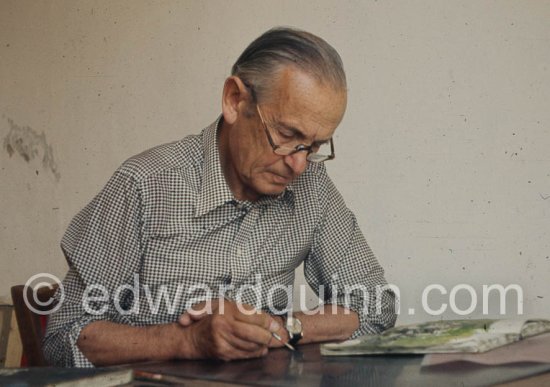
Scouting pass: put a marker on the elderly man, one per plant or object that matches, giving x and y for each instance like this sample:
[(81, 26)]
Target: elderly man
[(190, 249)]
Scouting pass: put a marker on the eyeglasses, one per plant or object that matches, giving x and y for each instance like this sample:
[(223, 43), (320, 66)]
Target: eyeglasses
[(316, 153)]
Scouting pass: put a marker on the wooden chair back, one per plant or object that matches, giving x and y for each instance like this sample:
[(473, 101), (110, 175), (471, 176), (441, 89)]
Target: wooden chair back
[(31, 324)]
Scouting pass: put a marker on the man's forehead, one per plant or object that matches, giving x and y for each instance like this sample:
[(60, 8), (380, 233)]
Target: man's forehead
[(301, 103)]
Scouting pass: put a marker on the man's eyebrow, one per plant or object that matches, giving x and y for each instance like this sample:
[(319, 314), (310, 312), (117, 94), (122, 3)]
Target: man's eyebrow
[(297, 132)]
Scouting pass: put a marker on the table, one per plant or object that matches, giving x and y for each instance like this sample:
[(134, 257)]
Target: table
[(307, 367)]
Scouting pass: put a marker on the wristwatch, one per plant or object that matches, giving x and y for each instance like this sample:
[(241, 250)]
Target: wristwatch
[(294, 329)]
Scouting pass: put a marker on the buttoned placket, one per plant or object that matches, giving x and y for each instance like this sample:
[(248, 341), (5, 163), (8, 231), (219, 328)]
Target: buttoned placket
[(242, 254)]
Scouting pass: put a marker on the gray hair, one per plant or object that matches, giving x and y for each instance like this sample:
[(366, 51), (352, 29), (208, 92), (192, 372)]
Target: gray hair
[(261, 62)]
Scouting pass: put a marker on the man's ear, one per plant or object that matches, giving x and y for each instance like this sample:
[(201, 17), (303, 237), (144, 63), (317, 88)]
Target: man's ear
[(234, 99)]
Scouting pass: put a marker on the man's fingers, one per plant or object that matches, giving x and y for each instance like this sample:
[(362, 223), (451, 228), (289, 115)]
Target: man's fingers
[(260, 319), (237, 331), (229, 339), (251, 333), (246, 345), (245, 335)]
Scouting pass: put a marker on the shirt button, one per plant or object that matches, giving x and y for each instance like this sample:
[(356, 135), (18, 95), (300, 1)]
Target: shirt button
[(239, 252)]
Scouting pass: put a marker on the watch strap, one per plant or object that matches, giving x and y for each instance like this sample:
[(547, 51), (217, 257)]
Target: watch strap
[(294, 337)]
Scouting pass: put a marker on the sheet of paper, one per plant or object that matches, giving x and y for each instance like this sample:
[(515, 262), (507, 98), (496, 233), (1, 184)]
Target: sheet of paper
[(534, 349)]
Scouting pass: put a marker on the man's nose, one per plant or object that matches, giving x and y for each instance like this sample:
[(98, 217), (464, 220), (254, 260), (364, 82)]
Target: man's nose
[(297, 162)]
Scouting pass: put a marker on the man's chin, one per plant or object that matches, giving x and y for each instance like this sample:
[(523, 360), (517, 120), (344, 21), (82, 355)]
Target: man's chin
[(267, 186), (275, 190), (272, 189)]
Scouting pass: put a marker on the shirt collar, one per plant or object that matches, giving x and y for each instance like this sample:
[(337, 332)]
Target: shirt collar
[(214, 189)]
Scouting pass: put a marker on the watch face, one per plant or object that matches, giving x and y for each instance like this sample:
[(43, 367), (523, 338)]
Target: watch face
[(294, 325), (294, 328)]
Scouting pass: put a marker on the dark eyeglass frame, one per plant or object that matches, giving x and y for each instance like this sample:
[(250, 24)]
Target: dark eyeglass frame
[(282, 150)]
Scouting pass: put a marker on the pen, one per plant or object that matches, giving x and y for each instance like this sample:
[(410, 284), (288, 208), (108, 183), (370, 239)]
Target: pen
[(281, 340), (162, 378)]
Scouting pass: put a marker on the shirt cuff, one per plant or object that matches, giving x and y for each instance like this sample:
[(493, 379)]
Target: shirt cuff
[(371, 321), (79, 360)]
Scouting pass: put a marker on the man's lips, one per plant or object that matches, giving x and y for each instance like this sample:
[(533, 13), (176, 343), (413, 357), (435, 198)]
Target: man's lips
[(281, 179)]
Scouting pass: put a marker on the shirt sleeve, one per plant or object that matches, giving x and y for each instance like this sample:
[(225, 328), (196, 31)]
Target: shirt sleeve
[(342, 264), (103, 249)]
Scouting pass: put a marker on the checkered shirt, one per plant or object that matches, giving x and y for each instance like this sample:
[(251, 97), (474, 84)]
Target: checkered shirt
[(167, 232)]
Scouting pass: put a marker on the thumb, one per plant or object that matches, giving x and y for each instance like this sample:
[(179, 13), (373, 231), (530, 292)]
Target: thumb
[(196, 313), (190, 317), (185, 320)]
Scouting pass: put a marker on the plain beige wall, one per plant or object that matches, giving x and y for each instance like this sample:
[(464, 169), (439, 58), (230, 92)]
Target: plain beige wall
[(443, 154)]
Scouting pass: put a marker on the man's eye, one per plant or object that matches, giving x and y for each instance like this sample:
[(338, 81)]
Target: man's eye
[(286, 135)]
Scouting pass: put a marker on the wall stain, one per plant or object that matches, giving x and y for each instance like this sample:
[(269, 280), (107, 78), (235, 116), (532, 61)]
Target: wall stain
[(29, 144)]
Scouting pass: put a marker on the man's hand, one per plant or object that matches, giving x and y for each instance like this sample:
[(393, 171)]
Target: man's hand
[(207, 333), (226, 330)]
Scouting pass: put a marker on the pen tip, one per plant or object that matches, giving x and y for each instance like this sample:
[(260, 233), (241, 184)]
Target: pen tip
[(281, 340)]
